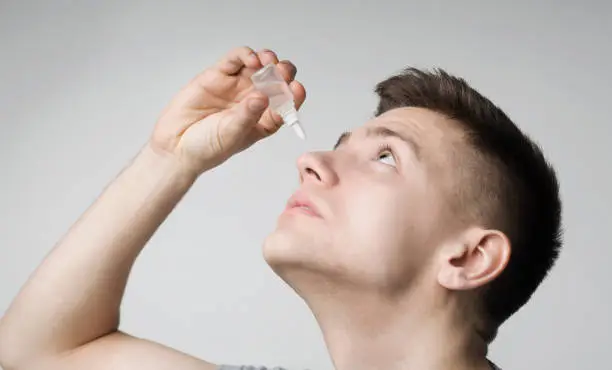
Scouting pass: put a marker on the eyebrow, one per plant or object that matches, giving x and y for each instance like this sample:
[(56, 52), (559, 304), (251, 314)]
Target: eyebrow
[(381, 132)]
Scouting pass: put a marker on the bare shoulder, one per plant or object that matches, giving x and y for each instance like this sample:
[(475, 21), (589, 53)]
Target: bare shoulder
[(125, 352)]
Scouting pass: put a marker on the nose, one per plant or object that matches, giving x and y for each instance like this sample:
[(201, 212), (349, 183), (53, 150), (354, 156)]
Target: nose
[(316, 167)]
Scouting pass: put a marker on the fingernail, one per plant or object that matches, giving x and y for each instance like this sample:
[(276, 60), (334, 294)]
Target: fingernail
[(257, 104), (291, 67)]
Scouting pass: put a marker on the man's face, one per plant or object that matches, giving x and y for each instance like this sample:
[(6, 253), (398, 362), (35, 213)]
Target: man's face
[(372, 211)]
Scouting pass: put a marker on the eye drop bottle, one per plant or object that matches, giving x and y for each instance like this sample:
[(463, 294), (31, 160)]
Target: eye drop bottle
[(269, 81)]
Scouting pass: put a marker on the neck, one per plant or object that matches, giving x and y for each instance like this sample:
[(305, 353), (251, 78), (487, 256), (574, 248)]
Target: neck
[(366, 330)]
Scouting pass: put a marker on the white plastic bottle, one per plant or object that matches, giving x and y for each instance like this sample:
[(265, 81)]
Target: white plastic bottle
[(269, 81)]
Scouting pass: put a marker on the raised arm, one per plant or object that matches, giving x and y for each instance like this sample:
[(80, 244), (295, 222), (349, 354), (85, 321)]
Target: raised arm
[(67, 314)]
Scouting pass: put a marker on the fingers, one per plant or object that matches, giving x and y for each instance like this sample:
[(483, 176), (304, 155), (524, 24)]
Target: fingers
[(270, 122), (285, 67), (299, 93), (238, 58), (267, 56), (287, 70)]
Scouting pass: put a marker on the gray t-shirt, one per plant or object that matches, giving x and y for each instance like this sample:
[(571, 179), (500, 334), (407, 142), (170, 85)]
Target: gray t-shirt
[(231, 367)]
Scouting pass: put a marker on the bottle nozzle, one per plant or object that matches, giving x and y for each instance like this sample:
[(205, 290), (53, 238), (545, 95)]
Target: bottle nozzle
[(291, 119), (299, 131)]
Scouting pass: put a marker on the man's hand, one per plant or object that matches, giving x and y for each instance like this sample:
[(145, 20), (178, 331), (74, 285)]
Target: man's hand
[(66, 319), (219, 113)]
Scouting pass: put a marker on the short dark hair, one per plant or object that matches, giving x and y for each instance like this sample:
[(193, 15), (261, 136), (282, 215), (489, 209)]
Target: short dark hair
[(517, 191)]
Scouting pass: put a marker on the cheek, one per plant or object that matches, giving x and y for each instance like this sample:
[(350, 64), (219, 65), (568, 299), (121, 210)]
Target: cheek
[(376, 211), (386, 232), (377, 224)]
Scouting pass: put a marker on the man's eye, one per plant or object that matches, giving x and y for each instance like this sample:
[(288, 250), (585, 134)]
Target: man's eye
[(385, 155)]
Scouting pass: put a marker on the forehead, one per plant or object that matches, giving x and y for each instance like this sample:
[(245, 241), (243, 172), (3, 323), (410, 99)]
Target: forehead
[(426, 127)]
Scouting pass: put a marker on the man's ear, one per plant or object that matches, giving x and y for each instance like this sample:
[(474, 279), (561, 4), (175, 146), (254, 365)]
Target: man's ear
[(477, 258)]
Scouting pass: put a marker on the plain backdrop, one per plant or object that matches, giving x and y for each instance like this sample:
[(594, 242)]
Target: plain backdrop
[(82, 83)]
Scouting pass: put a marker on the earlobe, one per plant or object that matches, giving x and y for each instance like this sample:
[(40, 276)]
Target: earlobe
[(452, 278), (451, 274)]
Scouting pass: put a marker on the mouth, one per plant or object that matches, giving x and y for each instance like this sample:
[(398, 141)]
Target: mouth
[(300, 204)]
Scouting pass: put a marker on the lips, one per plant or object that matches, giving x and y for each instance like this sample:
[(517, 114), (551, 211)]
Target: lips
[(299, 202)]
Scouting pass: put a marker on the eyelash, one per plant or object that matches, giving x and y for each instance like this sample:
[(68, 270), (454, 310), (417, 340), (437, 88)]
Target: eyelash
[(385, 148)]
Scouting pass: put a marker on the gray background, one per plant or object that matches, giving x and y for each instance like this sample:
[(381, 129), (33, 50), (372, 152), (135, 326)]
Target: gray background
[(82, 83)]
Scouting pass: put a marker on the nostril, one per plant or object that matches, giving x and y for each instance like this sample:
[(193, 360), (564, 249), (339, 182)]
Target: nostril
[(314, 173)]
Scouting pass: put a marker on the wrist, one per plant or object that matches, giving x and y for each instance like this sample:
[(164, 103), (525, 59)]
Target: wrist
[(160, 164)]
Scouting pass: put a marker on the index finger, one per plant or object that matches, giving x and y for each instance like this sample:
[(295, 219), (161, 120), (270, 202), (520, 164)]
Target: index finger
[(237, 58)]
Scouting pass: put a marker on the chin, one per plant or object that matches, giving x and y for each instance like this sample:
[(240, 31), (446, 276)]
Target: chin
[(293, 258), (295, 247), (304, 259), (283, 247), (296, 237)]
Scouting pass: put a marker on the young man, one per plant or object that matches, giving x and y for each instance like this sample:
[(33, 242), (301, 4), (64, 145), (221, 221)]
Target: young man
[(412, 241)]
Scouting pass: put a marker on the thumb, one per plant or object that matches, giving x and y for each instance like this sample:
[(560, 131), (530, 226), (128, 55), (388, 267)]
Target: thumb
[(249, 111)]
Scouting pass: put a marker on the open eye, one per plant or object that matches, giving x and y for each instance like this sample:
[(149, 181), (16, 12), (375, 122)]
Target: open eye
[(386, 156)]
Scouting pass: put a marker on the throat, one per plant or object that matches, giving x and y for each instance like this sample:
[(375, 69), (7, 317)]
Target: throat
[(370, 332)]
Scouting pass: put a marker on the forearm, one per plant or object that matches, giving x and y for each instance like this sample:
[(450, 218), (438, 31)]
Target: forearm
[(75, 295)]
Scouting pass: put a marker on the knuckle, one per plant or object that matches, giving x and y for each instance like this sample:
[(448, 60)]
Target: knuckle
[(244, 50), (205, 78), (268, 52)]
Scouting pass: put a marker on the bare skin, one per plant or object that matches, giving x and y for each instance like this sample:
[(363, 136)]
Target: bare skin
[(385, 295), (62, 320), (384, 267)]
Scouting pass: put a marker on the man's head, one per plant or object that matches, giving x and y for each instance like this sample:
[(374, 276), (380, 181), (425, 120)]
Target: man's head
[(440, 195)]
